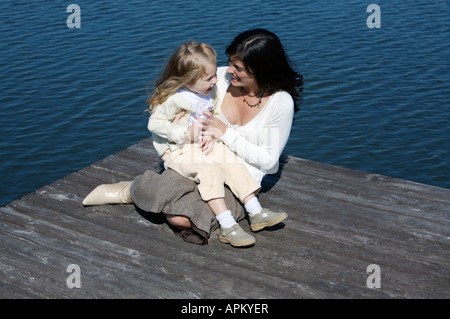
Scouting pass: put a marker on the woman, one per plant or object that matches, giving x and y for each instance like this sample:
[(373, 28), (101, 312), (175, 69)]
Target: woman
[(257, 94)]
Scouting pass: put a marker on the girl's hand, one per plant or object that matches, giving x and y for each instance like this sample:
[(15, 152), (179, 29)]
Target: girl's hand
[(178, 117), (191, 134), (213, 126)]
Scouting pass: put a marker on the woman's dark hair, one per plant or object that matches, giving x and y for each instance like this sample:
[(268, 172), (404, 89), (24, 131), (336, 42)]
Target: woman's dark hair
[(263, 55)]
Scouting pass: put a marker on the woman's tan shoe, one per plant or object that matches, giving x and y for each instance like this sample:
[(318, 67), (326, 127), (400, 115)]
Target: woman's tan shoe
[(118, 193)]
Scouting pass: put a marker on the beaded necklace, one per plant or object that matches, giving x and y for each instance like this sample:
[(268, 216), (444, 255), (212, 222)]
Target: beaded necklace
[(258, 104)]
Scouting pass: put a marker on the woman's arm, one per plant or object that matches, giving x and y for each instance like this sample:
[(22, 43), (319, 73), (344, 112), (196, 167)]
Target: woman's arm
[(263, 146)]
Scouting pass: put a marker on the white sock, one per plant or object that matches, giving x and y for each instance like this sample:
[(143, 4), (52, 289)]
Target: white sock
[(225, 219), (253, 206)]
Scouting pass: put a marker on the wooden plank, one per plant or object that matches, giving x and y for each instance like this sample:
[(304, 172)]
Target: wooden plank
[(164, 254), (330, 175), (113, 206), (363, 221), (380, 211), (113, 270), (340, 221)]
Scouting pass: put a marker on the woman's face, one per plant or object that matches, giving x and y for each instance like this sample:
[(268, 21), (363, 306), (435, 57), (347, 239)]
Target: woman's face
[(239, 74)]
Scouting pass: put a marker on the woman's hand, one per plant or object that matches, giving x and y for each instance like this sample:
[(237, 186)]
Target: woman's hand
[(213, 126), (207, 144)]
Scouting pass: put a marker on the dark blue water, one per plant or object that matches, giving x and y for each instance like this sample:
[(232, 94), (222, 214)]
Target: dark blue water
[(375, 99)]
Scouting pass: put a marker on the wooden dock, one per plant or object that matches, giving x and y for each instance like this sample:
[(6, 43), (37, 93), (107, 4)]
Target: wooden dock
[(340, 222)]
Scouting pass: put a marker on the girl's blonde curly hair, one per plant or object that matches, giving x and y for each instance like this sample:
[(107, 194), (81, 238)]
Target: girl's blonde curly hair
[(185, 66)]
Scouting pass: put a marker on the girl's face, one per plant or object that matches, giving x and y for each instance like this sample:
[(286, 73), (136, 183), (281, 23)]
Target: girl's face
[(239, 74), (205, 84)]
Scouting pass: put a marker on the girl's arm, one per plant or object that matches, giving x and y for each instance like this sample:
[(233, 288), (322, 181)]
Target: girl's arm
[(166, 126)]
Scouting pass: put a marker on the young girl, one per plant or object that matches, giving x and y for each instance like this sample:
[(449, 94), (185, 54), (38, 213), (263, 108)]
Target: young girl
[(187, 85)]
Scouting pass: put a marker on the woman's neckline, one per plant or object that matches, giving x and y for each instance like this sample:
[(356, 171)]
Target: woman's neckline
[(222, 97)]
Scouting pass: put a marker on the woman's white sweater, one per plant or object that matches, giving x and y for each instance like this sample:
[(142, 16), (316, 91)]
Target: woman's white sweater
[(261, 141)]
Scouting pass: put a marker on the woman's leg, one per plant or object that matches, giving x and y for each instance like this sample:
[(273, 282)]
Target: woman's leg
[(179, 222), (117, 193)]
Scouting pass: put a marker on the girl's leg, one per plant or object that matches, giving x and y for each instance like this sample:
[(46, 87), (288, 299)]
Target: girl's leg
[(242, 184), (223, 214), (230, 231), (211, 188), (235, 173), (217, 205)]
